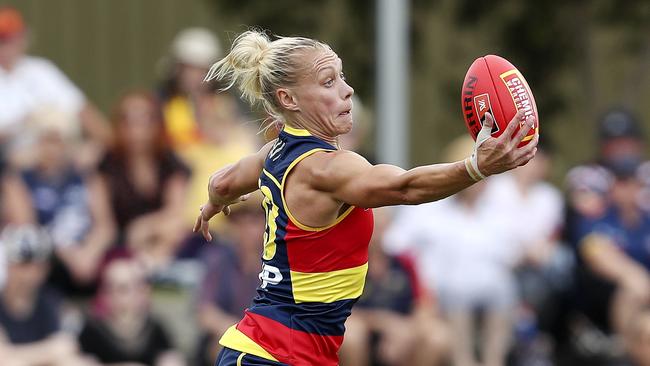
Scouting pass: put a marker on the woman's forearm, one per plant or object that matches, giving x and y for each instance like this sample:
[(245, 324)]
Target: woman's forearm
[(434, 182)]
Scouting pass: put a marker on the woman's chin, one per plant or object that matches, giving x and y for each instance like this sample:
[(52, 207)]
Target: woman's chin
[(346, 127)]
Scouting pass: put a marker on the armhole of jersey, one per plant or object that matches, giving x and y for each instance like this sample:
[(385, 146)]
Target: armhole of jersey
[(284, 202)]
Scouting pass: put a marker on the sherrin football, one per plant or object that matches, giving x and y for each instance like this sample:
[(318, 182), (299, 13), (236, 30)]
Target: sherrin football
[(494, 85)]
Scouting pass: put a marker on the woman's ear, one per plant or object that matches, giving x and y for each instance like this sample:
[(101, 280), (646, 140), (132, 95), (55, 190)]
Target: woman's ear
[(286, 99)]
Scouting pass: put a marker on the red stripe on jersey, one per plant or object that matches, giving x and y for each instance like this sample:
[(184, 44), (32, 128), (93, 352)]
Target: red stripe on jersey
[(305, 349), (343, 246)]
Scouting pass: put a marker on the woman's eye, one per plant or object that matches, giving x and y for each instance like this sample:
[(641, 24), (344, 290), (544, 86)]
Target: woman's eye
[(329, 82), (342, 76)]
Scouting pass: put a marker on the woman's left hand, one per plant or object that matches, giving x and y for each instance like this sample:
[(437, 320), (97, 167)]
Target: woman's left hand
[(208, 211)]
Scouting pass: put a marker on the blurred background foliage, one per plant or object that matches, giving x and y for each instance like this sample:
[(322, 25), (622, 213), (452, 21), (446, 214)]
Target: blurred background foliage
[(579, 56)]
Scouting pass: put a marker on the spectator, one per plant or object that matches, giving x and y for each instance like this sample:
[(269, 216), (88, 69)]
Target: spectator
[(71, 205), (199, 121), (395, 322), (544, 266), (620, 142), (232, 275), (192, 52), (28, 83), (30, 332), (464, 255), (614, 286), (224, 138), (122, 329), (146, 181), (590, 203)]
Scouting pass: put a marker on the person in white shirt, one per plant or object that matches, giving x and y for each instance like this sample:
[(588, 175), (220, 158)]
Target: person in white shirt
[(29, 83), (464, 254)]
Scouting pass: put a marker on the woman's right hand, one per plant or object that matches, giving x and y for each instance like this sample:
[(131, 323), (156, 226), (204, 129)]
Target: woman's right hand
[(498, 154)]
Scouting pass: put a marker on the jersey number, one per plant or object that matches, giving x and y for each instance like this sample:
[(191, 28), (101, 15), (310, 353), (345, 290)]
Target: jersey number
[(271, 211)]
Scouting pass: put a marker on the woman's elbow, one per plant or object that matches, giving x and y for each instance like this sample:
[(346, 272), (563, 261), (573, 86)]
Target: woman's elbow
[(219, 184)]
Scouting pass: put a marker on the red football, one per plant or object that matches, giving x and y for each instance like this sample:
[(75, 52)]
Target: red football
[(494, 85)]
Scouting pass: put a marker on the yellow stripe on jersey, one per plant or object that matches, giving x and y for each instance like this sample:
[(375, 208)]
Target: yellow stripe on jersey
[(238, 341), (327, 287), (271, 177), (296, 131)]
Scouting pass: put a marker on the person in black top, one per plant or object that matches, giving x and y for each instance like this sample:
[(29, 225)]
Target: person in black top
[(146, 182), (122, 328)]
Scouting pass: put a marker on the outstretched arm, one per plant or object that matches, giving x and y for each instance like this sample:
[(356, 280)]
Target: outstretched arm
[(230, 185), (351, 179)]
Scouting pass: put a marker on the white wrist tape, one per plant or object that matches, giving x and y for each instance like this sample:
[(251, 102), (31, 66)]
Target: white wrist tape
[(471, 165)]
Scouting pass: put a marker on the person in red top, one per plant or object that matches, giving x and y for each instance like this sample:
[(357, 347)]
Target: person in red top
[(318, 198)]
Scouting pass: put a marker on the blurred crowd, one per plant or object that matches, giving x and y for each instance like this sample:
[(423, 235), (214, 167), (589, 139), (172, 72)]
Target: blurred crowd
[(97, 210)]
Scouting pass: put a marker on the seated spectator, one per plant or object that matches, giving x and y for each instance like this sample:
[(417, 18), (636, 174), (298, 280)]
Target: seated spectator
[(73, 206), (395, 322), (146, 182), (614, 286), (30, 332), (29, 83), (232, 275), (226, 139), (199, 120), (620, 142), (182, 94), (465, 255), (544, 268), (121, 328)]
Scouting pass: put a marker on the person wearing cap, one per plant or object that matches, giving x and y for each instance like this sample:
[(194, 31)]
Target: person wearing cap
[(605, 223), (28, 83), (30, 329), (199, 121), (192, 52), (614, 281), (620, 143)]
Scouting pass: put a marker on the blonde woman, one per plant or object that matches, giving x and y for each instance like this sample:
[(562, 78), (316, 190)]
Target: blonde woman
[(318, 198)]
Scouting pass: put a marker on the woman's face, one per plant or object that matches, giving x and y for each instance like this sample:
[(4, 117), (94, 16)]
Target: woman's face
[(139, 124), (190, 78), (53, 149), (625, 192), (11, 50), (323, 97), (125, 288)]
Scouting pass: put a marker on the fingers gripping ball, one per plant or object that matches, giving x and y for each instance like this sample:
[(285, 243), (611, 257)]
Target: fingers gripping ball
[(493, 85)]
